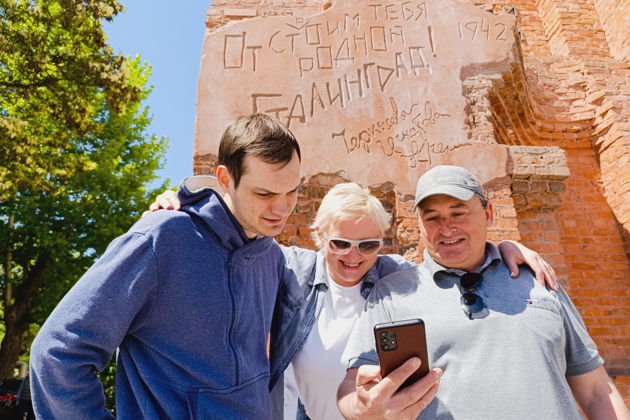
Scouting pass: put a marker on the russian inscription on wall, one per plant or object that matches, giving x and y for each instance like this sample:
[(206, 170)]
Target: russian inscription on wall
[(373, 90)]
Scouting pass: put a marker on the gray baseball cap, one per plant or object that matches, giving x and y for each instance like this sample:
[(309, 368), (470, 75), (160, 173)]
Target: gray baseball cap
[(449, 180)]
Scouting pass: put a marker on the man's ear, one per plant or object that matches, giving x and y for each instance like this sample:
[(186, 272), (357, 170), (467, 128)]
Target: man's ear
[(489, 214), (224, 178)]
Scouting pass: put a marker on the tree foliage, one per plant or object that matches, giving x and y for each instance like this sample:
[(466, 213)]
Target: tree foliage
[(54, 58), (82, 161)]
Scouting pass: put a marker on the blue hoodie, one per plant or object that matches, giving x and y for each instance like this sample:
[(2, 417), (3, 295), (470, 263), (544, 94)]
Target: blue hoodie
[(187, 299)]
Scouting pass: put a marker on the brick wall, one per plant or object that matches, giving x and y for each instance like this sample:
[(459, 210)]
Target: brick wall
[(597, 266), (569, 92), (614, 16)]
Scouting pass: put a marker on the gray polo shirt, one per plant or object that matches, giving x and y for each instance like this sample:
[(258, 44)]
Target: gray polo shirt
[(508, 362)]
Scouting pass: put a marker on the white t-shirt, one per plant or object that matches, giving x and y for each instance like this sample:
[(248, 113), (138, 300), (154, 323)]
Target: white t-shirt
[(319, 368)]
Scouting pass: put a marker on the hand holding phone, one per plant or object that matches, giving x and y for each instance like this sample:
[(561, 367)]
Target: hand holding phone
[(398, 341)]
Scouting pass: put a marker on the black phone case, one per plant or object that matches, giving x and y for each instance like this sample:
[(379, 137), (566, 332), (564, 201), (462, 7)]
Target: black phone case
[(410, 340)]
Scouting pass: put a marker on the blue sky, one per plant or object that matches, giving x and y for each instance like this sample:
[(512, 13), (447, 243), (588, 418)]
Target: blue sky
[(168, 35)]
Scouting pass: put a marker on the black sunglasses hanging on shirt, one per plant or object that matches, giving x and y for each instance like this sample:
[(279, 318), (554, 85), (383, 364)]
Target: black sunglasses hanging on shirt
[(471, 302)]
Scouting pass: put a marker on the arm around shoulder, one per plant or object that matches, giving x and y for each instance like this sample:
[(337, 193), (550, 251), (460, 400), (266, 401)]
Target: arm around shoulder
[(598, 396), (392, 263)]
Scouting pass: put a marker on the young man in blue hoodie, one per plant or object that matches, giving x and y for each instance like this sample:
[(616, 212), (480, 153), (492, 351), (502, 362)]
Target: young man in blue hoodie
[(186, 298)]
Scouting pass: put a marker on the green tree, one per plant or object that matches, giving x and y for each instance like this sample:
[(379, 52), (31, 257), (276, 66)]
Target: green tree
[(75, 160), (54, 58), (52, 238)]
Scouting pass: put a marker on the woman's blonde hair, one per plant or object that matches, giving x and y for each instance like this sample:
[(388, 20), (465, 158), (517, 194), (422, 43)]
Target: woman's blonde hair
[(348, 201)]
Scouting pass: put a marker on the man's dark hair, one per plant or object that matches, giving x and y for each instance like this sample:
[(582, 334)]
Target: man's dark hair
[(484, 201), (258, 135)]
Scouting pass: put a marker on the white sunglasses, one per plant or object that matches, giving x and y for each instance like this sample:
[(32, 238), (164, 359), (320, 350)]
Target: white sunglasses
[(344, 246)]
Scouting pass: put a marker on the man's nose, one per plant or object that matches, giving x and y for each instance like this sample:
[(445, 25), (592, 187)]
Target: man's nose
[(281, 206), (446, 227)]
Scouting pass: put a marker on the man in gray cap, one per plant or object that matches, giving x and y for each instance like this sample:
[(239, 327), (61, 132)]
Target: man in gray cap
[(497, 352)]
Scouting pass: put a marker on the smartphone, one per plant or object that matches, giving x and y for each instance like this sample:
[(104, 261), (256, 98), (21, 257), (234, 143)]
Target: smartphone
[(397, 342)]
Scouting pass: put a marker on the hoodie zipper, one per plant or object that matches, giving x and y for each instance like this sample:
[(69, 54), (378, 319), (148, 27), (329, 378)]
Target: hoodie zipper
[(232, 320)]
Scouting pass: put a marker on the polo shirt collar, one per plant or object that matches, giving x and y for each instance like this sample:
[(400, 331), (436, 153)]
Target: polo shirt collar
[(492, 255)]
